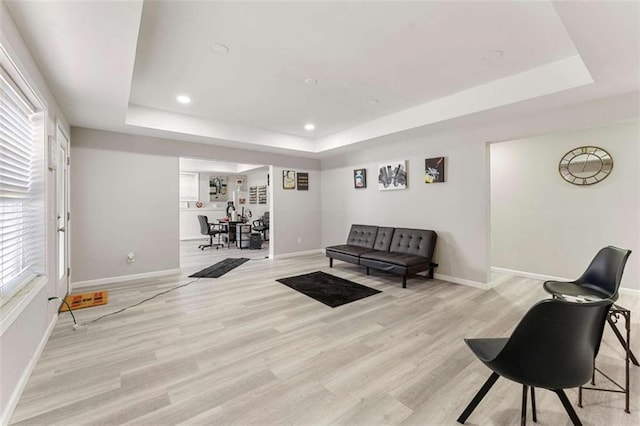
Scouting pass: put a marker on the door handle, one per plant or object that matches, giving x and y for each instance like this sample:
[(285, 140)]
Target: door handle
[(61, 229)]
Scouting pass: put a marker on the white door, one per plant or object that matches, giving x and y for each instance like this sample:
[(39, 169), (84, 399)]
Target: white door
[(62, 213)]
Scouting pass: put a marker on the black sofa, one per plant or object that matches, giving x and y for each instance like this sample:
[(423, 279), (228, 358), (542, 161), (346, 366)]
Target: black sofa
[(401, 251)]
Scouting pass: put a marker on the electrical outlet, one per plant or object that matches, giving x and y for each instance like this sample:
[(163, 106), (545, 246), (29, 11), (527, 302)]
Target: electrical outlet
[(131, 257), (299, 240)]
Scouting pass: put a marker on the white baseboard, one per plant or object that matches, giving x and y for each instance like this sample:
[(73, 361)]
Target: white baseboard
[(631, 291), (22, 383), (299, 253), (463, 281), (102, 281), (552, 278), (531, 275)]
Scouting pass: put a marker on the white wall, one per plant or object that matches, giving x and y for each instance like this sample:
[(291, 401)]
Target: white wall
[(455, 209), (458, 210), (27, 332), (123, 202), (541, 224), (121, 170), (295, 223)]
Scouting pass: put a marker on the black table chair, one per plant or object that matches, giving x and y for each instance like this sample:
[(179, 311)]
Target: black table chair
[(601, 280), (210, 229), (262, 225), (553, 347)]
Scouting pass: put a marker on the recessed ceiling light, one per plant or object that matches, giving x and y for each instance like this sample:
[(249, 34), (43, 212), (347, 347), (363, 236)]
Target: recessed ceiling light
[(183, 99), (219, 48), (493, 55), (311, 81), (373, 102), (309, 126)]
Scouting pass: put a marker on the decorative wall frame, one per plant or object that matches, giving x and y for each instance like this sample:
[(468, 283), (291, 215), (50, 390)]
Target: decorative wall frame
[(288, 179), (302, 180), (217, 188), (360, 178), (253, 195), (262, 194), (392, 175), (434, 170)]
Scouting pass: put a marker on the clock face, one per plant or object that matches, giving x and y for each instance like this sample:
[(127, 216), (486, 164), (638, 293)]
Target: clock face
[(585, 165)]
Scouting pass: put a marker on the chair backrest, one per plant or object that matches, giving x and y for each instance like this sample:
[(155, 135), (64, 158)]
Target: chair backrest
[(204, 224), (604, 273), (554, 345)]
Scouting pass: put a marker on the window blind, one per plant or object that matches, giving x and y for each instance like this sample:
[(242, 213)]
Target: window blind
[(189, 187), (20, 208)]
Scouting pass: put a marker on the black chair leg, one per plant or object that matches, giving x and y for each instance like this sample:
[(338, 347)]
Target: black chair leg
[(404, 281), (567, 406), (331, 262), (533, 404), (476, 399), (523, 415)]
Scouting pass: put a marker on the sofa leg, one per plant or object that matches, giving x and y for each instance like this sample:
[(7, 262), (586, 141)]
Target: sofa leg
[(404, 281), (432, 267), (331, 262), (367, 269)]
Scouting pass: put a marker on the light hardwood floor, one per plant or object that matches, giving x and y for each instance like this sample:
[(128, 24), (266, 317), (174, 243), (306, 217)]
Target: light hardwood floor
[(246, 350)]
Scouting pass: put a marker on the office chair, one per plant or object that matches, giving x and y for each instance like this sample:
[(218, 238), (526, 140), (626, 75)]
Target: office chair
[(210, 229), (601, 280), (262, 225), (553, 347)]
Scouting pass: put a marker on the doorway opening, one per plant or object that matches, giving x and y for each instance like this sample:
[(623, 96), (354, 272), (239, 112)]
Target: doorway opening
[(235, 200)]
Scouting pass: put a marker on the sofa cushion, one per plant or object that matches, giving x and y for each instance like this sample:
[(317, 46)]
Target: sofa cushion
[(400, 259), (383, 239), (362, 236), (347, 249), (418, 242)]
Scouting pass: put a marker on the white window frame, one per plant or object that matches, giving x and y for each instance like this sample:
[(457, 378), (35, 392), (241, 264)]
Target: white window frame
[(196, 179), (19, 290)]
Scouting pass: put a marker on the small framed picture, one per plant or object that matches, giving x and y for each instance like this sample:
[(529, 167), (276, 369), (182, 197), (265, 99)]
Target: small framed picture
[(360, 178), (434, 170), (302, 181), (288, 179)]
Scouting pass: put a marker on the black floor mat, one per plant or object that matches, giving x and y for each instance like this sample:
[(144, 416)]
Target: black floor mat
[(220, 268), (328, 289)]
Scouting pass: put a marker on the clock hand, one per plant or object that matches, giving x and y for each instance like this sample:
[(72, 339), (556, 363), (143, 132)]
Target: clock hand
[(585, 162)]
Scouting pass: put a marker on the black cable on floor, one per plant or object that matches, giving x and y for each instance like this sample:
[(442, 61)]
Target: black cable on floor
[(75, 324), (145, 300)]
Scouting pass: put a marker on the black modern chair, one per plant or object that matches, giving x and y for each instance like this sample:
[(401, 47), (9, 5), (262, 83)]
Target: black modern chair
[(553, 347), (601, 280), (262, 225), (210, 229)]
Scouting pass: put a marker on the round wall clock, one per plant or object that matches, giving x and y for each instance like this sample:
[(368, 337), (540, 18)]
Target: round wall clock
[(585, 165)]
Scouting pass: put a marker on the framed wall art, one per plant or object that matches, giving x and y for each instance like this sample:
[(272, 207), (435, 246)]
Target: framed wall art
[(434, 170), (392, 175), (262, 194), (217, 188), (360, 178), (302, 181), (288, 179)]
